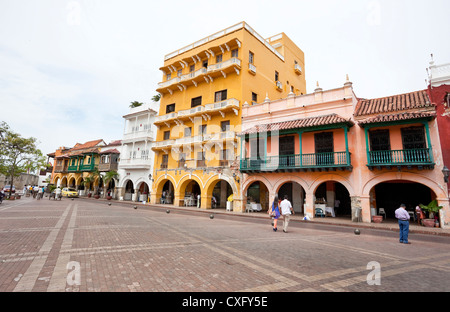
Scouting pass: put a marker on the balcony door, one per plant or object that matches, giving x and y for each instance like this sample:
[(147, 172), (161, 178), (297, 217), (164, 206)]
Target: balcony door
[(324, 148), (286, 151), (414, 144), (380, 146)]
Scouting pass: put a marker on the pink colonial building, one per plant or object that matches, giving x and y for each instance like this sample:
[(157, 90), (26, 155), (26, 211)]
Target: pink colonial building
[(334, 153)]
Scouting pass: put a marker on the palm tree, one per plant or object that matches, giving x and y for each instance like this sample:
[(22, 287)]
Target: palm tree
[(136, 104), (156, 97), (110, 176), (95, 174)]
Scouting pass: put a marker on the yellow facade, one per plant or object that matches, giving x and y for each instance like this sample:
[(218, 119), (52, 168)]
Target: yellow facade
[(206, 84)]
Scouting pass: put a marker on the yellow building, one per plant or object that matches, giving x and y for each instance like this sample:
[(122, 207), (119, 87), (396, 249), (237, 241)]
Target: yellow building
[(204, 87)]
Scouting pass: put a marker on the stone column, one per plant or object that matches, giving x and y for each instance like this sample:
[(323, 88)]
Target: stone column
[(309, 205)]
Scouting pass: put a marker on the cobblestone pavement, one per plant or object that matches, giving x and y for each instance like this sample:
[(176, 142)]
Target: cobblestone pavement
[(88, 246)]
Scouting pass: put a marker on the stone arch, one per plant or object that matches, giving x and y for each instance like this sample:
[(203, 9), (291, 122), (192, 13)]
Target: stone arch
[(289, 178), (331, 177), (185, 180), (256, 178), (211, 184), (296, 191), (406, 176)]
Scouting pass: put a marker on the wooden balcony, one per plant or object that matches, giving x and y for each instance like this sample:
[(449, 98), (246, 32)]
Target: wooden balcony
[(108, 167), (61, 169), (298, 162), (421, 157)]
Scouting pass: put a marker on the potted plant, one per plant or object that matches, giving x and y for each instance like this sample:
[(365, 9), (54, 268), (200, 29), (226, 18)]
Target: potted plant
[(432, 209), (377, 219)]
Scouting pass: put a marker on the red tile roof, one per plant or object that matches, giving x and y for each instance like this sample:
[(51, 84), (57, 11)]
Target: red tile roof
[(298, 123), (401, 102), (88, 144), (110, 151), (395, 117)]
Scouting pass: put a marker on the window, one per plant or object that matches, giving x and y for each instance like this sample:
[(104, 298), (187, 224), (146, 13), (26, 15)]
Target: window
[(225, 125), (413, 138), (167, 135), (170, 108), (196, 101), (251, 57), (202, 129), (220, 96), (234, 53), (187, 132), (201, 159), (219, 58), (182, 160), (179, 72), (254, 98), (192, 68), (224, 157), (379, 140), (205, 64), (168, 76), (276, 76), (165, 161)]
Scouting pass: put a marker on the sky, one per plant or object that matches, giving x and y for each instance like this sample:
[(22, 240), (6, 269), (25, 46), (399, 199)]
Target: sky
[(70, 68)]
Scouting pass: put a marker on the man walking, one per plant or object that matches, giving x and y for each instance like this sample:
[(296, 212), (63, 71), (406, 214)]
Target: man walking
[(403, 222), (286, 210)]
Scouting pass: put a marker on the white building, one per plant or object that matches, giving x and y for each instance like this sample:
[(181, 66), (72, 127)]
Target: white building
[(136, 158)]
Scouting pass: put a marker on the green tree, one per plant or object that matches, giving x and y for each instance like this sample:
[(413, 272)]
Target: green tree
[(17, 154), (156, 97), (136, 104)]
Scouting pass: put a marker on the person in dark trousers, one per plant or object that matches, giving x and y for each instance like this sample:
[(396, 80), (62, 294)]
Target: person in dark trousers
[(403, 222)]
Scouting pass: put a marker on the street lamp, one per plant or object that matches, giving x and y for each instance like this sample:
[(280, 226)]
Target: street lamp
[(446, 172)]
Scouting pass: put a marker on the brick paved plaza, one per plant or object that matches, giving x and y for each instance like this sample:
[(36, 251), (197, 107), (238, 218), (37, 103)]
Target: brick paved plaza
[(86, 245)]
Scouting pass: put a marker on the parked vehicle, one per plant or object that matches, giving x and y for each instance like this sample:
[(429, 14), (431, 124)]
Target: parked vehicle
[(7, 188), (69, 192)]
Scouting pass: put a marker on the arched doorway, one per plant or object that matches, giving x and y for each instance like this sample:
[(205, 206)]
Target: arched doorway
[(167, 192), (72, 182), (220, 193), (332, 194), (129, 190), (390, 194), (189, 191), (295, 193), (257, 192), (64, 182), (143, 191)]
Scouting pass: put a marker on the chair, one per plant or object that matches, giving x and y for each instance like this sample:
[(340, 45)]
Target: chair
[(319, 212), (382, 212)]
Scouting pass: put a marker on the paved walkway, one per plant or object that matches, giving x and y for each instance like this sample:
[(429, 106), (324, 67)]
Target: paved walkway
[(389, 224), (87, 245)]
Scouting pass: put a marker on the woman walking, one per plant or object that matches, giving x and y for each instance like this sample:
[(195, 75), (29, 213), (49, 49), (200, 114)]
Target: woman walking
[(274, 212)]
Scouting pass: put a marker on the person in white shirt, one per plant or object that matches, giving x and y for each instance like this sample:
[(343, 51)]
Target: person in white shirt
[(286, 211)]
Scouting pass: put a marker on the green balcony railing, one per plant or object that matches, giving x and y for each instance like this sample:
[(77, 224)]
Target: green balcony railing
[(419, 156), (89, 167), (73, 168), (298, 161)]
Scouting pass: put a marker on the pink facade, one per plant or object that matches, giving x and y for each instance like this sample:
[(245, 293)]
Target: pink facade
[(335, 140)]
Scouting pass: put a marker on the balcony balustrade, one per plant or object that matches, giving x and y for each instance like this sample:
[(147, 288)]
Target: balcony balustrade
[(138, 136), (135, 163), (231, 104), (407, 157), (297, 162)]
